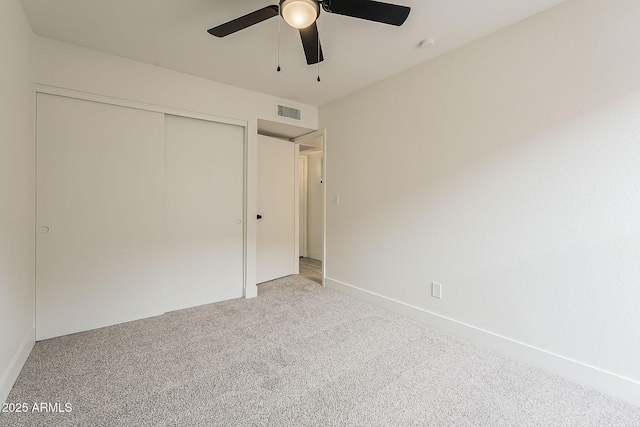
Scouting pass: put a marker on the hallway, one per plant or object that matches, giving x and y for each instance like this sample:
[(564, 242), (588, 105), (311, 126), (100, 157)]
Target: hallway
[(311, 269)]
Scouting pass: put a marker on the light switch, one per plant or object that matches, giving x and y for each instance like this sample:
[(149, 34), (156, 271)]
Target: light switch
[(436, 290)]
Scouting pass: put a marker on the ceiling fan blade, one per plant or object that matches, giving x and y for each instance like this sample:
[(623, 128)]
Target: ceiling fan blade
[(244, 21), (370, 10), (311, 44)]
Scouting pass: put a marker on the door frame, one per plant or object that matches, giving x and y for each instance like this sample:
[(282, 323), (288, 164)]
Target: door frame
[(303, 174), (322, 133)]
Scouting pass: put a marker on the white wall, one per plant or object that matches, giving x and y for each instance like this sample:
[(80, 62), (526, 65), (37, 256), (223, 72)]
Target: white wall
[(315, 224), (62, 65), (17, 197), (508, 171)]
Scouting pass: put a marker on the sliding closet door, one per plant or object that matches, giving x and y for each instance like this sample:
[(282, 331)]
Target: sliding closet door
[(99, 216), (204, 206)]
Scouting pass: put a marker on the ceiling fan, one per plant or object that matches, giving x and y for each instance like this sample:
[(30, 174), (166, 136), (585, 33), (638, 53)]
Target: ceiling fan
[(302, 15)]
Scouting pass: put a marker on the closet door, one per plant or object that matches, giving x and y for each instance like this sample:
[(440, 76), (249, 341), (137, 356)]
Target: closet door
[(204, 206), (99, 215)]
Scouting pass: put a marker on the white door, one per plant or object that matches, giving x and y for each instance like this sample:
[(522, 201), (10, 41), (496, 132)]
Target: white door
[(99, 215), (204, 202), (275, 245)]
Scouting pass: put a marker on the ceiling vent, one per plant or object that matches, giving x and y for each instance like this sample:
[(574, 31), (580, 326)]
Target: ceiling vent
[(289, 112)]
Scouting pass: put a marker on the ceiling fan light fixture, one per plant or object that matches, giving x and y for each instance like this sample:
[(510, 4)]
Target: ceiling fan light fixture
[(299, 13)]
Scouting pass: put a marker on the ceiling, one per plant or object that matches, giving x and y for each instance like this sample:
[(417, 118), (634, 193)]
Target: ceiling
[(172, 34)]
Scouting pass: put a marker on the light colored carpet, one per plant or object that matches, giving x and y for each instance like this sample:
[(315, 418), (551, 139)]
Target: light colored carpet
[(298, 355)]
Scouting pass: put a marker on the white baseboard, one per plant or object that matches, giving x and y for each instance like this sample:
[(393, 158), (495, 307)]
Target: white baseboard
[(12, 372), (585, 375), (315, 255)]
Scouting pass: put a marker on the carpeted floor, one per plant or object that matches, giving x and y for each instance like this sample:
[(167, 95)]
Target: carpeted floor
[(298, 355)]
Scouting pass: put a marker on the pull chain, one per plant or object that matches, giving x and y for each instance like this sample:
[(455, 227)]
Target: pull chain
[(318, 58), (278, 69)]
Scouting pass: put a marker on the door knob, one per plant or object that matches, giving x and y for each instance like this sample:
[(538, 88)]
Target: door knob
[(259, 216)]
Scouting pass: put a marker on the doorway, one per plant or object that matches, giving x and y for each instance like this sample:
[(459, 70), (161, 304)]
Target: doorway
[(309, 144), (312, 205)]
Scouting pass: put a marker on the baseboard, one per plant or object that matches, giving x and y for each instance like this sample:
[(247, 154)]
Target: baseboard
[(12, 372), (585, 375), (314, 255)]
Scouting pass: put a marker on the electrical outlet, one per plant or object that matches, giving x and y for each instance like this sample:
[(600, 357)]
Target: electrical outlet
[(436, 290)]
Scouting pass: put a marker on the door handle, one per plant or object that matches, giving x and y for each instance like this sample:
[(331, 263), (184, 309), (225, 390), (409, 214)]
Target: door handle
[(259, 216)]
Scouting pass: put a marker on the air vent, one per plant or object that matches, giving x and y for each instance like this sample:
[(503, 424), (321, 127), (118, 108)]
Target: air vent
[(288, 112)]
